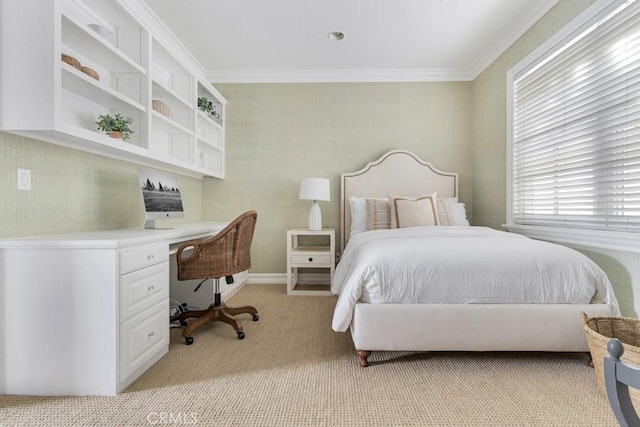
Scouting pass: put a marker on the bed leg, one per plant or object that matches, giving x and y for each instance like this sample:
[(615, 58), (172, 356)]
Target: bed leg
[(364, 354), (590, 361)]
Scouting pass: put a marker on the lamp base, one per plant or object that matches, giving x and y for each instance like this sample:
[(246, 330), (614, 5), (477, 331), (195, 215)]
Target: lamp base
[(315, 217)]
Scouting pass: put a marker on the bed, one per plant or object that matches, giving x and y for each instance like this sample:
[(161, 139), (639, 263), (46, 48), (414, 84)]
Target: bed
[(392, 279)]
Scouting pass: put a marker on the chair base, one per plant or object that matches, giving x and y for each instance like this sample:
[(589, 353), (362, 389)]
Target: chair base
[(215, 312)]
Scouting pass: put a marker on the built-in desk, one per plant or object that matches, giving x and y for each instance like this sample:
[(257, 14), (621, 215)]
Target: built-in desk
[(86, 313)]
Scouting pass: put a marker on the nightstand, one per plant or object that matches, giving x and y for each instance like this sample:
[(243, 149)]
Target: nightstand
[(311, 250)]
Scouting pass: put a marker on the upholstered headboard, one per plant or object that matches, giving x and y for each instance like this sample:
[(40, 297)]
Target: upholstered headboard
[(397, 172)]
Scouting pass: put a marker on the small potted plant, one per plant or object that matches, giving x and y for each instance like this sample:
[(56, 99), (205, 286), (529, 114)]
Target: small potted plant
[(207, 106), (115, 126)]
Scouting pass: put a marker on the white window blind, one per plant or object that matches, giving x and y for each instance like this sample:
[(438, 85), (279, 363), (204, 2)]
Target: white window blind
[(575, 143)]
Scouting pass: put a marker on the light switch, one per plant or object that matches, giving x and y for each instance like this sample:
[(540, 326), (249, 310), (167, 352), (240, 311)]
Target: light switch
[(24, 179)]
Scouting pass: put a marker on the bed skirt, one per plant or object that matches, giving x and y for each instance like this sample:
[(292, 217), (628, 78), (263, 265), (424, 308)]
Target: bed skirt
[(472, 327)]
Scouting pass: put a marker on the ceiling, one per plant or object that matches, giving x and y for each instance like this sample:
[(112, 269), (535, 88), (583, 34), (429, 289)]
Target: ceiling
[(385, 40)]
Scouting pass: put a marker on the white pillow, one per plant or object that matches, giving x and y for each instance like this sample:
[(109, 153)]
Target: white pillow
[(413, 212), (358, 214), (451, 212), (460, 214)]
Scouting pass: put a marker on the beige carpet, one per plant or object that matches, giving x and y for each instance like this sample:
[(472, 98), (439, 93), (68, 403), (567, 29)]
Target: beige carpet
[(293, 370)]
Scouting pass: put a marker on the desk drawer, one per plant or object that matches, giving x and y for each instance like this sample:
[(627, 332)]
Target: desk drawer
[(311, 259), (143, 288), (141, 337), (140, 257)]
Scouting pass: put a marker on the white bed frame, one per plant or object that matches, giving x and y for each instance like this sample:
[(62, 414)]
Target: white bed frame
[(449, 327)]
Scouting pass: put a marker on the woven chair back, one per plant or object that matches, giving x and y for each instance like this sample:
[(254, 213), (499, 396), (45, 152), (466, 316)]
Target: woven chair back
[(225, 254)]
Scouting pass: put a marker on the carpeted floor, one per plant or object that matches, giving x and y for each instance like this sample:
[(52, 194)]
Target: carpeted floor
[(293, 370)]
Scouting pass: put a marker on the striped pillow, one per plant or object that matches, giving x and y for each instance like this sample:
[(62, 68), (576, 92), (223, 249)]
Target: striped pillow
[(378, 214)]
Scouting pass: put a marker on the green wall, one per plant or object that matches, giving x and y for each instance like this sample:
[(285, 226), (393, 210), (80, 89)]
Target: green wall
[(73, 191), (279, 133)]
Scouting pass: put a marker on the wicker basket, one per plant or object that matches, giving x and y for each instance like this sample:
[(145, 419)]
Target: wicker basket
[(71, 61), (599, 331), (161, 107), (90, 72)]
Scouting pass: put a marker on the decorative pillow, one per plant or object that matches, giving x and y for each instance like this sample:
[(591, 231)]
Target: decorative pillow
[(451, 212), (378, 214), (460, 214), (445, 214), (358, 214), (413, 212)]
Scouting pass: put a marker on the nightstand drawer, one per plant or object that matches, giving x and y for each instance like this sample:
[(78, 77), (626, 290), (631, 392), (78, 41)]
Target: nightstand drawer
[(311, 259)]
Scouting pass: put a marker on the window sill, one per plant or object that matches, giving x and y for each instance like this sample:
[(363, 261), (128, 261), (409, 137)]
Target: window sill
[(618, 241)]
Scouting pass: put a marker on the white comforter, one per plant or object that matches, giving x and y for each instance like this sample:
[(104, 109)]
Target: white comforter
[(462, 265)]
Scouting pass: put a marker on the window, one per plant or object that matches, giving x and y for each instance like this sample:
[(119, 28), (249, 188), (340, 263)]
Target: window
[(574, 126)]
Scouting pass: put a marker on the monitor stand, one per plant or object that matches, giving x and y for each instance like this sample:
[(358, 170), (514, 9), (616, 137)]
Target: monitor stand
[(150, 224)]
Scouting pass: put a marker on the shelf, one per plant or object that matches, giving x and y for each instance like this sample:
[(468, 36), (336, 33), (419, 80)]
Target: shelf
[(169, 126), (311, 249), (208, 120), (209, 145), (97, 143), (160, 91), (88, 43), (89, 88)]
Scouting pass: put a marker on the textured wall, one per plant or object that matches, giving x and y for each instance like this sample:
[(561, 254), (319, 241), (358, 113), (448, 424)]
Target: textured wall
[(279, 133), (73, 191)]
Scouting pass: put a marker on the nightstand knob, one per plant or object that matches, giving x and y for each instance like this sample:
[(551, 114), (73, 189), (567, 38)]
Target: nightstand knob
[(310, 259)]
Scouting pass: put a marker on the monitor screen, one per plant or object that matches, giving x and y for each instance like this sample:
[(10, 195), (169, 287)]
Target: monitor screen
[(161, 195)]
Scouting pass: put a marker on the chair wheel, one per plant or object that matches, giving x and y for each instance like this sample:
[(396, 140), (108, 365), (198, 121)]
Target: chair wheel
[(240, 335), (189, 340), (255, 317)]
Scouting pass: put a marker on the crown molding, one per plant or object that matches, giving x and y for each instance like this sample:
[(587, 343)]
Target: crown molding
[(337, 76), (152, 23), (540, 9)]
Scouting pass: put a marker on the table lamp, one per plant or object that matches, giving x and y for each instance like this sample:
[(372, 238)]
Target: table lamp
[(315, 189)]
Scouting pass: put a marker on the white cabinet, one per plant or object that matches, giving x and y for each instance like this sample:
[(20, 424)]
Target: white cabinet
[(308, 249), (144, 293), (86, 313), (65, 62), (92, 327)]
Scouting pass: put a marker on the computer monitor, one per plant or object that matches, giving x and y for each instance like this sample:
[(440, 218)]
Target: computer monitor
[(161, 195)]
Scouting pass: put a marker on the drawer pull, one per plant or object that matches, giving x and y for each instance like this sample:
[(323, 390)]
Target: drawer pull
[(150, 288), (150, 256), (310, 259), (151, 334)]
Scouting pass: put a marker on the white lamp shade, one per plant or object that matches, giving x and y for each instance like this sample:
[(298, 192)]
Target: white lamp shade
[(315, 189)]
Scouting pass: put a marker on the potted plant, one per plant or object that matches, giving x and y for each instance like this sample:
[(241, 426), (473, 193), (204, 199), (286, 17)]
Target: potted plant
[(207, 106), (115, 126)]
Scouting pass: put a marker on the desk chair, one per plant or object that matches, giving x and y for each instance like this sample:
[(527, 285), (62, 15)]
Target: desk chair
[(618, 377), (222, 255)]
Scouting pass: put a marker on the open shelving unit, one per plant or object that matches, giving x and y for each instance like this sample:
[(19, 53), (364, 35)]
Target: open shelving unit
[(136, 68)]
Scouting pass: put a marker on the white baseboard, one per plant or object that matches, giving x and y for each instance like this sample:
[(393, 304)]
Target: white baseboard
[(268, 278), (281, 278), (232, 290)]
